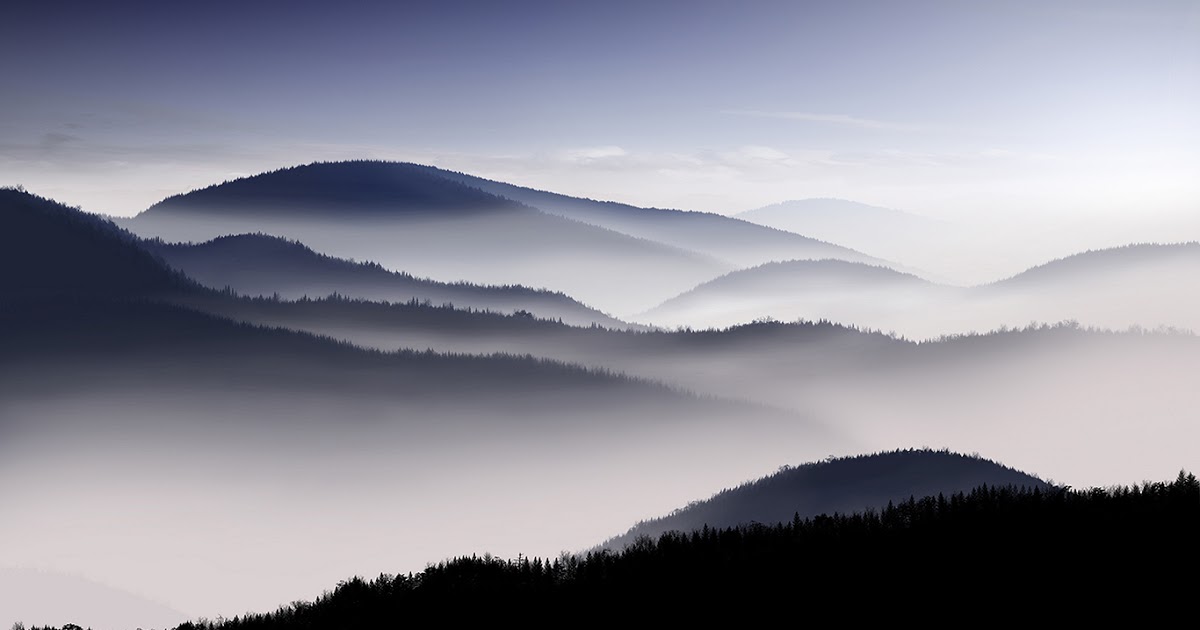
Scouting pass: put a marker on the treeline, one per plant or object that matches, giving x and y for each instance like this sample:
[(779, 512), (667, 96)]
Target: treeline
[(996, 547)]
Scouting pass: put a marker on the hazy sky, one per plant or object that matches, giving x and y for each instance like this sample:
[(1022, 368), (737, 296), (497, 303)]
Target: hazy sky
[(937, 106)]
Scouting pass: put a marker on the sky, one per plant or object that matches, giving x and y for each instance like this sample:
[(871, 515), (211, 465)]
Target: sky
[(953, 109)]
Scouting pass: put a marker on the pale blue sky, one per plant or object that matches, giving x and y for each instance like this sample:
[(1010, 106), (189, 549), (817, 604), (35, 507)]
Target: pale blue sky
[(937, 106)]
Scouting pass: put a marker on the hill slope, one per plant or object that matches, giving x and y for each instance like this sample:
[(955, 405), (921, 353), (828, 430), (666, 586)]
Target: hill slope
[(845, 485), (409, 219), (848, 292), (1146, 285), (741, 243), (47, 249), (193, 443), (260, 265)]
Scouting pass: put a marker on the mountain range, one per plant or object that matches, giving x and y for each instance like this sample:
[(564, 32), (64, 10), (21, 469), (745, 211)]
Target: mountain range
[(1138, 285), (262, 265)]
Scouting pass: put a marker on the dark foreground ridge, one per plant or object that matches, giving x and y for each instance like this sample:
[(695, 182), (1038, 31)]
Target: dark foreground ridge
[(841, 485), (1020, 549)]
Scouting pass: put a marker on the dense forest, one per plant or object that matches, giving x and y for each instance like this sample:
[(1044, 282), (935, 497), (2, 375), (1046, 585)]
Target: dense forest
[(1002, 548)]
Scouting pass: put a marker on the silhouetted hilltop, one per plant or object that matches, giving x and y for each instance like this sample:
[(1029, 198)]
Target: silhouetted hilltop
[(411, 219), (262, 265), (362, 186), (740, 242), (963, 547), (844, 485), (49, 249)]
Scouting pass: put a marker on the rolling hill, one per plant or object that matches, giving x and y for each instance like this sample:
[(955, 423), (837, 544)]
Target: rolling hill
[(836, 290), (50, 250), (252, 442), (907, 238), (411, 220), (261, 265), (845, 485), (738, 242), (1146, 285)]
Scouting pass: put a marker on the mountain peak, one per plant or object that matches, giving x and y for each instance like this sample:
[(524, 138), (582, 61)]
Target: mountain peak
[(352, 187)]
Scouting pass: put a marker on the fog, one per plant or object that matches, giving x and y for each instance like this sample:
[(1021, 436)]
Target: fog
[(183, 451), (219, 478), (592, 265), (1028, 396), (1147, 286)]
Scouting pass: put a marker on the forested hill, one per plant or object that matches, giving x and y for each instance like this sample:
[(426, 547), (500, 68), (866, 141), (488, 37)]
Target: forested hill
[(843, 485), (51, 250), (1022, 550)]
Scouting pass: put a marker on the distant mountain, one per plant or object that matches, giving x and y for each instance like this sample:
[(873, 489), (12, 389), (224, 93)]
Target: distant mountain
[(47, 249), (251, 442), (1161, 265), (412, 219), (845, 485), (854, 293), (344, 189), (741, 243), (1148, 285), (885, 232), (261, 265)]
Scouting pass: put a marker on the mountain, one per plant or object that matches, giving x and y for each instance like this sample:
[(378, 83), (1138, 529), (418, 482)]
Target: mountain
[(409, 219), (1146, 285), (1157, 263), (260, 265), (844, 485), (253, 442), (837, 290), (741, 243), (47, 249), (1083, 541), (893, 234)]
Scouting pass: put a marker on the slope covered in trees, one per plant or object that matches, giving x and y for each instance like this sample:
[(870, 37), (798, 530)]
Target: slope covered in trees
[(963, 550), (48, 250), (412, 220), (838, 485), (262, 265)]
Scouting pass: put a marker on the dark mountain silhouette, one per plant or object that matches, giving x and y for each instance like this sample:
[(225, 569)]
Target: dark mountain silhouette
[(408, 218), (343, 189), (47, 249), (1120, 539), (741, 243), (261, 265), (139, 400), (845, 485)]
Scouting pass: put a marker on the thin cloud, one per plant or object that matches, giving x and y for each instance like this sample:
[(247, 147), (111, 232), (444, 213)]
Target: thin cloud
[(836, 119)]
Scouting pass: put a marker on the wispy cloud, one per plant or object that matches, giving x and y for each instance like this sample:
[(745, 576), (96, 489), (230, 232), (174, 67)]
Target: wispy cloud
[(589, 154), (835, 119)]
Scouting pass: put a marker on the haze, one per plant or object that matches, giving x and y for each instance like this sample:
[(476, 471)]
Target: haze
[(297, 291)]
